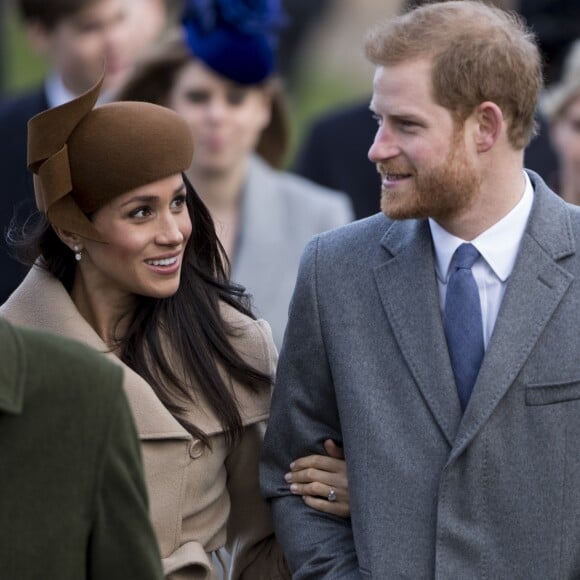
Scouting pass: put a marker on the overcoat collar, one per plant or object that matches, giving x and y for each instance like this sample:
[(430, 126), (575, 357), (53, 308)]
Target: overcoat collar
[(41, 301), (12, 370), (408, 289), (409, 293)]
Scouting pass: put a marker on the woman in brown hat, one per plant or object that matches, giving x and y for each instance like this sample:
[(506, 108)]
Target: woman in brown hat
[(130, 264)]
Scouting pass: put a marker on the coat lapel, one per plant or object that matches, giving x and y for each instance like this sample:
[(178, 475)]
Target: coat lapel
[(535, 288), (12, 370), (408, 288), (42, 302)]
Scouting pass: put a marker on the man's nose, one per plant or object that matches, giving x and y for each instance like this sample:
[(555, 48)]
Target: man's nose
[(384, 146)]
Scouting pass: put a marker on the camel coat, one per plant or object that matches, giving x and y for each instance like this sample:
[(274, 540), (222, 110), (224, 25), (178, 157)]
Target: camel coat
[(201, 500)]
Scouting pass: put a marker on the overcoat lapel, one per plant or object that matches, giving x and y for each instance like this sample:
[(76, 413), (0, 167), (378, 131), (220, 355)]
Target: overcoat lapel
[(42, 302), (535, 288), (12, 370), (408, 288)]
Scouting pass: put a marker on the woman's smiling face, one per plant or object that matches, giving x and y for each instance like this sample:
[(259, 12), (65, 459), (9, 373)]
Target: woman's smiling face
[(146, 232)]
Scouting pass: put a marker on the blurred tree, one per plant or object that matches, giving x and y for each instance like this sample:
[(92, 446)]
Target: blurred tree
[(302, 15)]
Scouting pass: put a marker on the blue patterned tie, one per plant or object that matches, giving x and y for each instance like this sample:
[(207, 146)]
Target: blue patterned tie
[(463, 323)]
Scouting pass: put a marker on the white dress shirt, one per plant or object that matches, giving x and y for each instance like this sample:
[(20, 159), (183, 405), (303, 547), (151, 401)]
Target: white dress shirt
[(498, 246), (57, 94)]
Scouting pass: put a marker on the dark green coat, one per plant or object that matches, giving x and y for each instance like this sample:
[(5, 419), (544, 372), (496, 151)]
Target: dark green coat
[(73, 503)]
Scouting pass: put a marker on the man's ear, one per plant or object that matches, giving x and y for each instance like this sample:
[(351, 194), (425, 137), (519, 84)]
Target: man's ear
[(489, 123)]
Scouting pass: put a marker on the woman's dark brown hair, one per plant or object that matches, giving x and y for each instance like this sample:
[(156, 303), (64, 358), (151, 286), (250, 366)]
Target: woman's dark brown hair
[(190, 319)]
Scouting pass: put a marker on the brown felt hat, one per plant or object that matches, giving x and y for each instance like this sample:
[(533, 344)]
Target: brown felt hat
[(82, 158)]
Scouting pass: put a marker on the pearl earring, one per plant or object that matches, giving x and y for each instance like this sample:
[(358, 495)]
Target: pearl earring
[(78, 255)]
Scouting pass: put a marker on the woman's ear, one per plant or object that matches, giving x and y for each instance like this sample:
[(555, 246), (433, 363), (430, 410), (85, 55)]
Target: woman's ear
[(70, 239), (489, 123)]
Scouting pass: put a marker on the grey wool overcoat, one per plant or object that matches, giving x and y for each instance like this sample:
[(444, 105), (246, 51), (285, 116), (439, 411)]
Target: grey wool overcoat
[(492, 493)]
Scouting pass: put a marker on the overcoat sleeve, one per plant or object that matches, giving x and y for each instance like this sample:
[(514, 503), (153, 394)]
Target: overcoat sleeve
[(256, 555), (122, 543), (303, 415)]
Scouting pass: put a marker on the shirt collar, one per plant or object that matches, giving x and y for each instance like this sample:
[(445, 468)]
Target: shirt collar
[(498, 245), (57, 94)]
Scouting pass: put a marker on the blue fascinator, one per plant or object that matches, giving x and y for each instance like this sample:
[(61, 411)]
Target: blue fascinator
[(235, 38)]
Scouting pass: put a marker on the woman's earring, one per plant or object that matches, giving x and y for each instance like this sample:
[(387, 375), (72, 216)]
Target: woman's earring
[(78, 255)]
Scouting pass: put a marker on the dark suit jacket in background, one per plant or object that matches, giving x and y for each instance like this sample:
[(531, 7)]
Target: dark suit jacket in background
[(17, 192), (334, 154), (73, 503), (435, 493), (556, 24), (539, 155)]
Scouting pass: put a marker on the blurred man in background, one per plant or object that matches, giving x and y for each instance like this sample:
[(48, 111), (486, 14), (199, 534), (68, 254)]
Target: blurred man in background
[(77, 38)]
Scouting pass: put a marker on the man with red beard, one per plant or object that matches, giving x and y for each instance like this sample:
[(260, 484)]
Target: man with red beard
[(438, 339)]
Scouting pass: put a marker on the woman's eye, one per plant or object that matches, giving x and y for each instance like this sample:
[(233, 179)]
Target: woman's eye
[(140, 213), (178, 202), (197, 97), (236, 97)]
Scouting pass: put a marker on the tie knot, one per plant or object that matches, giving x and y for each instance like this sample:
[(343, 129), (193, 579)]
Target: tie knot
[(465, 256)]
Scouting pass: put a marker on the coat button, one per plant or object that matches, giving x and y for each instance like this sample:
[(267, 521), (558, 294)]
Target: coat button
[(196, 449)]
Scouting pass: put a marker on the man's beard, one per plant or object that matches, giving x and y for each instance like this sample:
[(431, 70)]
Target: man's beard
[(441, 192)]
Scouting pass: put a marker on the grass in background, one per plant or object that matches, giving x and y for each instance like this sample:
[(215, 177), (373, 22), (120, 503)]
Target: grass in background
[(23, 68), (315, 95)]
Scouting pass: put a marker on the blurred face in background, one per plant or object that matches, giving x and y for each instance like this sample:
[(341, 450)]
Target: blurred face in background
[(226, 118), (79, 45), (146, 19), (565, 136)]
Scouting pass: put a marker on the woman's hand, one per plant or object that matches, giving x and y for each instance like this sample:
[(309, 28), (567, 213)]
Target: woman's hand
[(319, 479)]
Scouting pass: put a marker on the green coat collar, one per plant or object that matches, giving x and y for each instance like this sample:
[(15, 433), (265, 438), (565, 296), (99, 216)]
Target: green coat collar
[(12, 369)]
